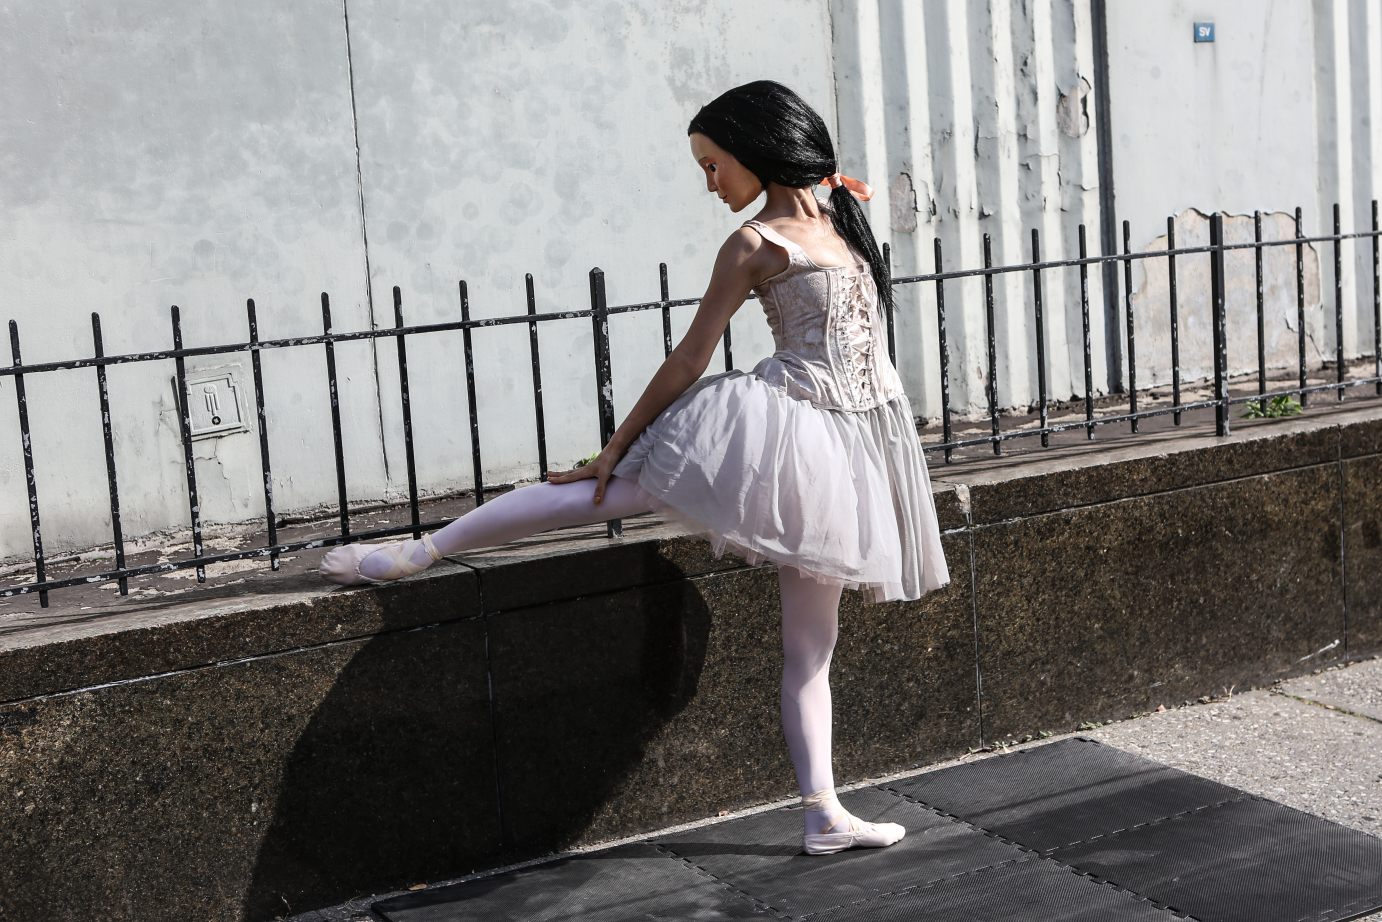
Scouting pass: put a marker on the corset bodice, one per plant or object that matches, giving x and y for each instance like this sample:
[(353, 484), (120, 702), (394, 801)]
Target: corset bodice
[(828, 331)]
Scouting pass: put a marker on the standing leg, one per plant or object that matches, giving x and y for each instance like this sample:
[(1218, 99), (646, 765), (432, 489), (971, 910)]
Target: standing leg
[(810, 626), (508, 517)]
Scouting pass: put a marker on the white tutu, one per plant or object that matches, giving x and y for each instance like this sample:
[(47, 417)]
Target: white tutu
[(842, 495)]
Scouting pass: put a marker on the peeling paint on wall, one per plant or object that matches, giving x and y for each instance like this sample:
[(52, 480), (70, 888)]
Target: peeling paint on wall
[(902, 200), (1072, 111)]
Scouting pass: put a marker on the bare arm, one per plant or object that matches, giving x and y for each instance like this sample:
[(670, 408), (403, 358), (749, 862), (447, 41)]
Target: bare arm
[(742, 263)]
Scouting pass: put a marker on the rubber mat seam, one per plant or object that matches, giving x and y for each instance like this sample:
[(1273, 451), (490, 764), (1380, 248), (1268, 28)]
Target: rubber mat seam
[(1045, 856), (777, 913), (960, 821), (1369, 904), (1054, 848), (1156, 822), (1031, 857), (922, 886)]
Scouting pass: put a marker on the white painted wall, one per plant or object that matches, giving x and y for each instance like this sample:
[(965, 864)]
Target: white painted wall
[(498, 139), (199, 154), (152, 154), (1280, 111), (961, 96)]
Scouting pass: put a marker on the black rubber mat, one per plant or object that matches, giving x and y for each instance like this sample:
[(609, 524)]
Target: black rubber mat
[(1075, 831), (941, 866), (761, 855), (631, 883), (1028, 890), (1070, 791), (1243, 861)]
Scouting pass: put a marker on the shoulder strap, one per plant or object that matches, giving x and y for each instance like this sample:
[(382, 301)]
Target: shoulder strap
[(773, 236)]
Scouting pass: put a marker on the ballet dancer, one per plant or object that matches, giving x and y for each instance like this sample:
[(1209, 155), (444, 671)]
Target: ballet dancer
[(811, 461)]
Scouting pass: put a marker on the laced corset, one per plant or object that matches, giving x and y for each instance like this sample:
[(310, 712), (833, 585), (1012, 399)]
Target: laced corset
[(828, 330)]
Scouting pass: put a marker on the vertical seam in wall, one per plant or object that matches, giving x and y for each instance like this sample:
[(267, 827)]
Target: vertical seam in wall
[(1108, 234), (1343, 540), (493, 714), (974, 605), (364, 239), (834, 75)]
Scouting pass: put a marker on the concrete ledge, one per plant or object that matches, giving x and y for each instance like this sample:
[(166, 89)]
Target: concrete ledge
[(249, 756), (49, 653)]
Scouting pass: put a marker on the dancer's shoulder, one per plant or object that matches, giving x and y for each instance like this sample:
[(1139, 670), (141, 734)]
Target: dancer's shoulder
[(749, 251)]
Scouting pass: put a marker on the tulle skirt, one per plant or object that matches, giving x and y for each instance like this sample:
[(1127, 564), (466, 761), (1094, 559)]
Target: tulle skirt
[(843, 496)]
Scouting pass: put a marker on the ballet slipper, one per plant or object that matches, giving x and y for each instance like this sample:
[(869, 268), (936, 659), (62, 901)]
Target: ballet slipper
[(342, 564), (848, 831)]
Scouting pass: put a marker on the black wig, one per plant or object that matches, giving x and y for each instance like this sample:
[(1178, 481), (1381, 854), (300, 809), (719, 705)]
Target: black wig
[(779, 138)]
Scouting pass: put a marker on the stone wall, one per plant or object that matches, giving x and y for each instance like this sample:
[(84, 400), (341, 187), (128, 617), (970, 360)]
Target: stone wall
[(248, 760)]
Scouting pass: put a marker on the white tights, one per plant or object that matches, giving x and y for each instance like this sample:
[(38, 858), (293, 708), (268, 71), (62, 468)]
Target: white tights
[(527, 511), (810, 625), (810, 609)]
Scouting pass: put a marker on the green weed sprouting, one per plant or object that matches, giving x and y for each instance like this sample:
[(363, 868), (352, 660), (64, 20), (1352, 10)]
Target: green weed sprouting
[(1275, 408)]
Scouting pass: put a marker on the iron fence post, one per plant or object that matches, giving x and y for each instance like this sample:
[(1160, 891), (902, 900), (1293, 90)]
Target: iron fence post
[(1216, 276), (1338, 301), (604, 380), (888, 304), (1084, 319), (539, 415), (26, 441), (477, 467), (185, 430), (406, 406), (992, 343), (666, 310), (108, 436), (1300, 303), (270, 521), (1040, 337), (1261, 312), (944, 351), (1376, 304), (1175, 314), (1132, 337)]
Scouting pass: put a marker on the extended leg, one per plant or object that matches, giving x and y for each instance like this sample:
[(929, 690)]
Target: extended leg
[(508, 517), (810, 626), (538, 508)]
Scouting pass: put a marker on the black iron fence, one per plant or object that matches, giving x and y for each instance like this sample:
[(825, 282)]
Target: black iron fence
[(599, 314)]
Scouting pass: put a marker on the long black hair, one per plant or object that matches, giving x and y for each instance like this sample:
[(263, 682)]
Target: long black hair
[(779, 138)]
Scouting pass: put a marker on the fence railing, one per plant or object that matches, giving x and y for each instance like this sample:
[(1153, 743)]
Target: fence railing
[(599, 314)]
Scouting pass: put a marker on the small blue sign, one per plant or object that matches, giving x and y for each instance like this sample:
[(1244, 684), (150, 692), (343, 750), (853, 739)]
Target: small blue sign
[(1204, 31)]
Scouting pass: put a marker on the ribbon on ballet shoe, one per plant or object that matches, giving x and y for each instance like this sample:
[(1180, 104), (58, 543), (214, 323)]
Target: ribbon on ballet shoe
[(846, 830), (821, 802), (342, 564), (862, 190)]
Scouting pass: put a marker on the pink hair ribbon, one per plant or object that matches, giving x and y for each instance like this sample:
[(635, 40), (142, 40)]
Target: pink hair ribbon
[(861, 190)]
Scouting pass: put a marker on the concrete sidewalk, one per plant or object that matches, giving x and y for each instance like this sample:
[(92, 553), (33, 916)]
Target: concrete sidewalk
[(1313, 743)]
